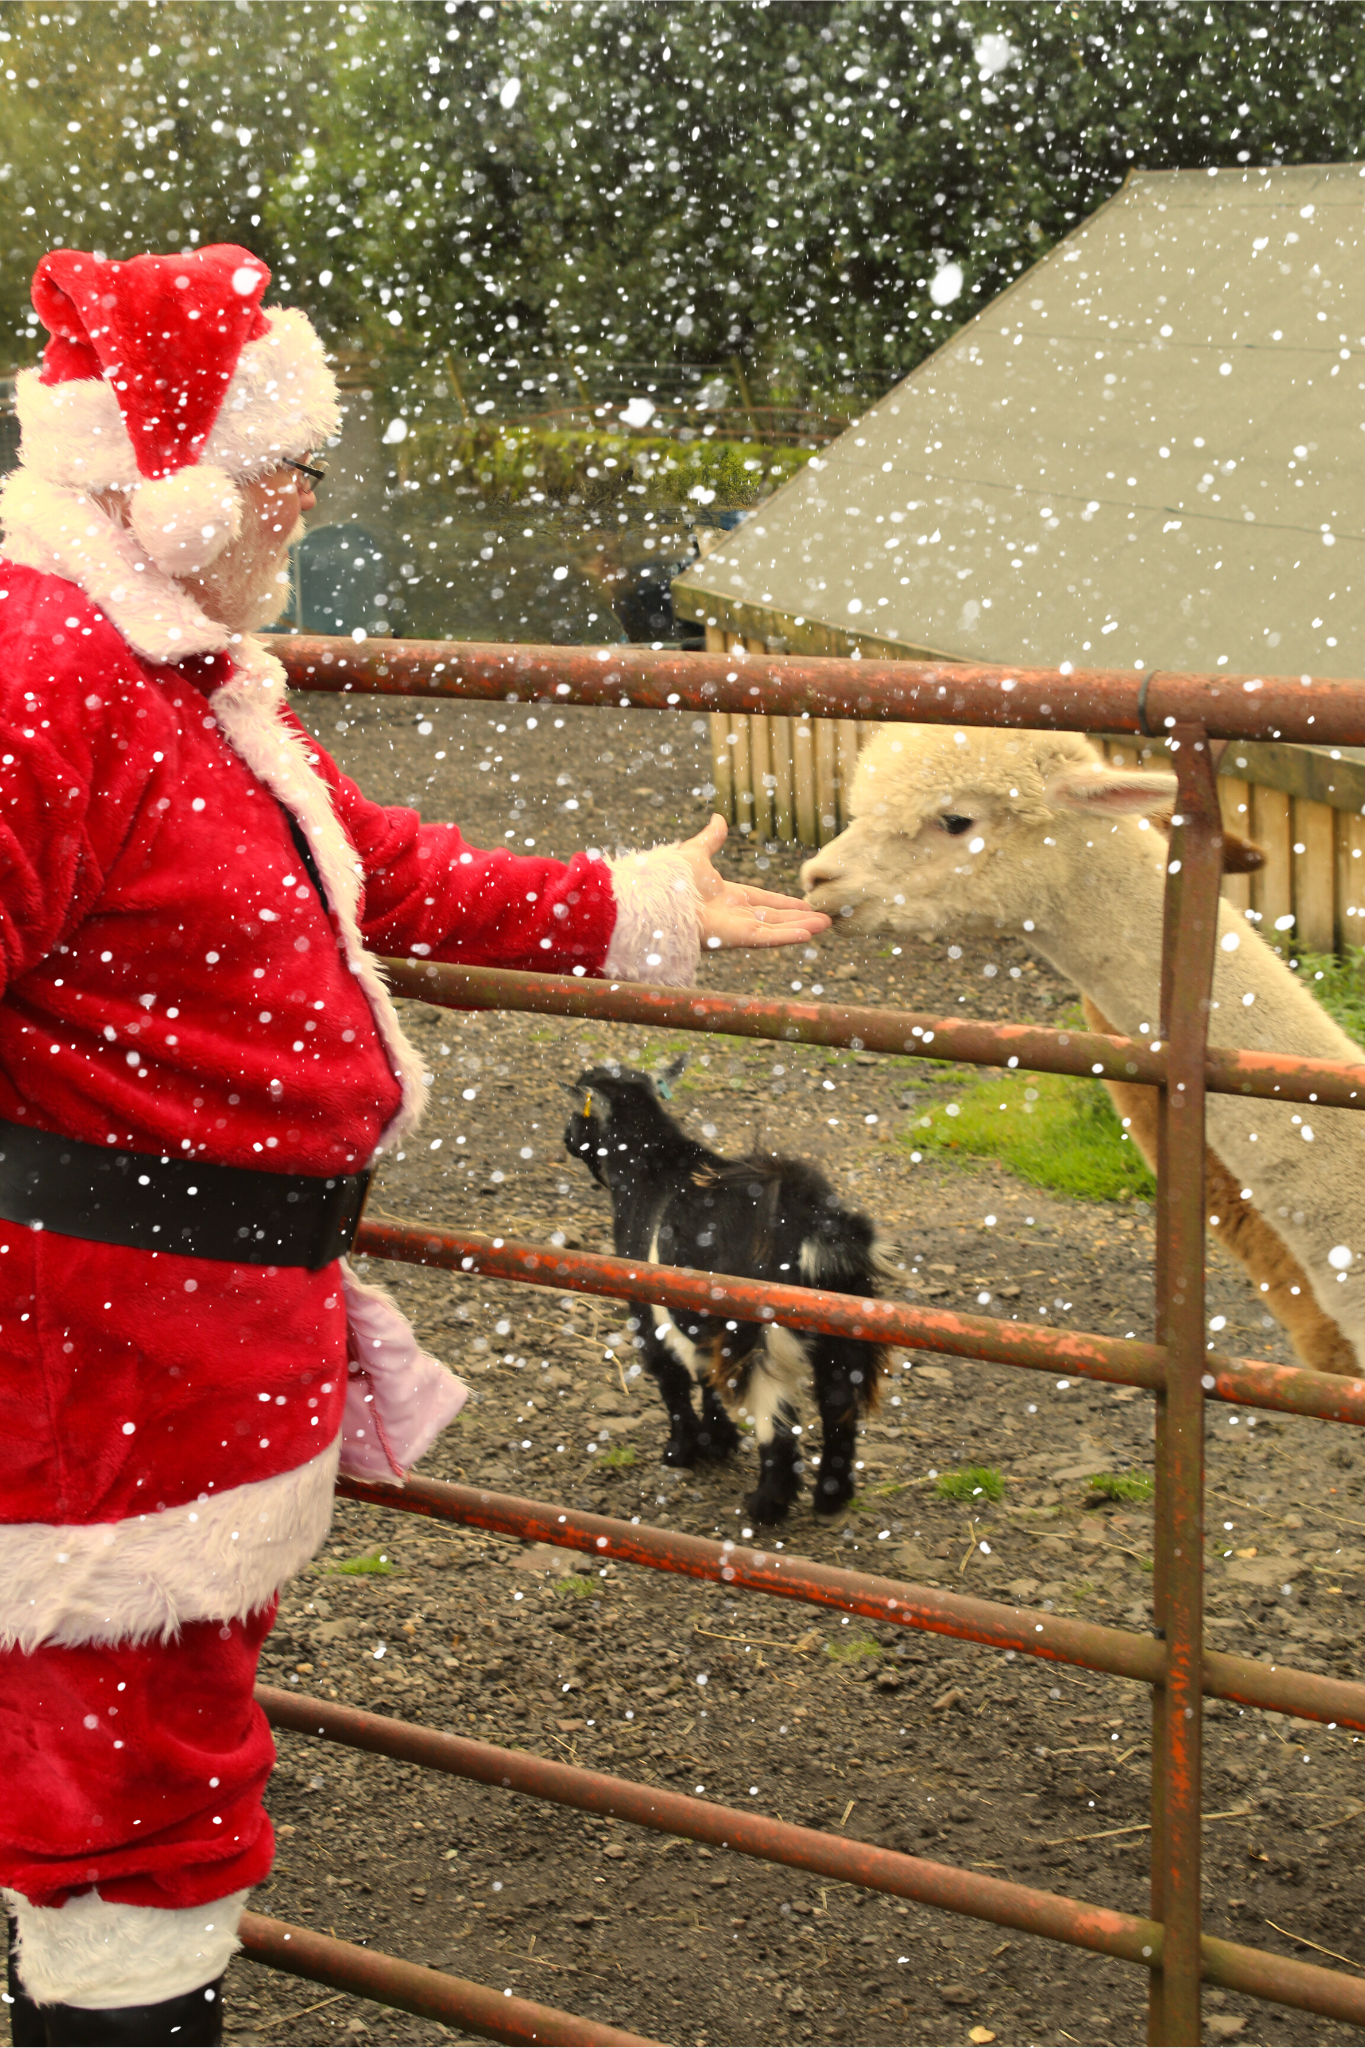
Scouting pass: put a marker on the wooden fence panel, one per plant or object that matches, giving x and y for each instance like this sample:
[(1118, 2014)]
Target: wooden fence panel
[(826, 779), (1314, 876), (1350, 879), (1272, 888), (780, 741), (760, 755), (850, 735), (804, 801), (1234, 800), (722, 753)]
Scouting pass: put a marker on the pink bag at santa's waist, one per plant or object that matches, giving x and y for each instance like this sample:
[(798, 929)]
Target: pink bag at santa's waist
[(398, 1397)]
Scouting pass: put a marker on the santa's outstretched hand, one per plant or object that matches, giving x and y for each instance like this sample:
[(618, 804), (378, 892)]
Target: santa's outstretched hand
[(731, 915)]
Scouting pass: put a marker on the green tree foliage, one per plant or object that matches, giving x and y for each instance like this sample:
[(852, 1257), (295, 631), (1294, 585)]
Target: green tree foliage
[(126, 127), (784, 181), (823, 187)]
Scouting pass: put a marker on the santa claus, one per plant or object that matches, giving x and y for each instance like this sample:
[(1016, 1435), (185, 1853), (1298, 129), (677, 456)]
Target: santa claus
[(198, 1065)]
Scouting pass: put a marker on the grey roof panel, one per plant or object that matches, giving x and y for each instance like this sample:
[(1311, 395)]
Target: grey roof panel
[(1151, 443)]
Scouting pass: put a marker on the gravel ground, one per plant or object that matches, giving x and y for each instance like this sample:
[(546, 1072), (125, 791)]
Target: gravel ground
[(945, 1750)]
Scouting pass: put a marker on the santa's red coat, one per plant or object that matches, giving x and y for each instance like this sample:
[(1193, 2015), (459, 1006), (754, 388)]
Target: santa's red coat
[(171, 982)]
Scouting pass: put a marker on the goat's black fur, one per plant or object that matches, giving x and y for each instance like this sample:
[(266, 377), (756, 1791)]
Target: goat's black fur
[(676, 1203)]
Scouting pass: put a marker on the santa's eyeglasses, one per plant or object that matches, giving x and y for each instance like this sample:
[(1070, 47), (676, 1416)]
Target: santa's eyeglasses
[(305, 469)]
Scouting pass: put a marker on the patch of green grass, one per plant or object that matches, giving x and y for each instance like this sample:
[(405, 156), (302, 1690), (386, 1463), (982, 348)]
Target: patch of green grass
[(374, 1564), (1051, 1131), (505, 459), (971, 1482), (617, 1458), (864, 1501), (1339, 985), (852, 1649), (1123, 1486), (573, 1586)]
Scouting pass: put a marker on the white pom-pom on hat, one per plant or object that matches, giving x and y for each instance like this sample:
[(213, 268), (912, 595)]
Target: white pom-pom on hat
[(184, 521)]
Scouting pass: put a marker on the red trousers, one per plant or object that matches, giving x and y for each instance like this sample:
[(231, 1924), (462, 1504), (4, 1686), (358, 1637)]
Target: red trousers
[(138, 1769)]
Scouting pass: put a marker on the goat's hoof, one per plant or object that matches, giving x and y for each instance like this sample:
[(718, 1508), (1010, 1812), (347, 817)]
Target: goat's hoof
[(679, 1452), (765, 1510), (713, 1446), (830, 1496)]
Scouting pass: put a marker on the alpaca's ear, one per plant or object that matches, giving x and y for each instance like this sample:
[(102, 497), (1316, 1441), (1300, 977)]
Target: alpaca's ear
[(1112, 791)]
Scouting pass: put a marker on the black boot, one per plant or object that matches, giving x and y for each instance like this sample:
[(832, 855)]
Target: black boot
[(27, 2028), (193, 2020)]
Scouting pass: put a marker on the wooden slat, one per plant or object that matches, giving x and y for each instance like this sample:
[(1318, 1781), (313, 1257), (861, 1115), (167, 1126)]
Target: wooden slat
[(742, 756), (1350, 879), (722, 754), (1272, 889), (743, 773), (848, 761), (780, 741), (760, 757), (1314, 876), (826, 778), (722, 765), (1234, 800), (761, 750), (803, 781)]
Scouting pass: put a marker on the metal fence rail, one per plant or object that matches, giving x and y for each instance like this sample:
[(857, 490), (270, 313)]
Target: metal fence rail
[(1097, 1928), (1188, 711)]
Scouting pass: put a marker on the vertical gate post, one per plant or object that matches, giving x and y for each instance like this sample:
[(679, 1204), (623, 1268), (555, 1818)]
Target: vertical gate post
[(1193, 883)]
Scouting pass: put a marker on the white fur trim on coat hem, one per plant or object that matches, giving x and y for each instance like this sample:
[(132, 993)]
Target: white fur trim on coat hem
[(657, 934), (249, 708), (102, 1956), (218, 1558)]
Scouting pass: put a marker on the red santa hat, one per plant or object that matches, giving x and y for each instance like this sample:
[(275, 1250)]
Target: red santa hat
[(164, 378)]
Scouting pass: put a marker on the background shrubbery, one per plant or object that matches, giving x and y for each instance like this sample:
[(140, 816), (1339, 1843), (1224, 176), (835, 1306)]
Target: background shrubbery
[(510, 461), (657, 181)]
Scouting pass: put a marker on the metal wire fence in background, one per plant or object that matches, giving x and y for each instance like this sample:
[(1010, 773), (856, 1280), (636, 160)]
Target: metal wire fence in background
[(1169, 1944)]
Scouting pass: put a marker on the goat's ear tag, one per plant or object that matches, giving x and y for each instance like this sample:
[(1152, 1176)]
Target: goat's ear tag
[(666, 1076)]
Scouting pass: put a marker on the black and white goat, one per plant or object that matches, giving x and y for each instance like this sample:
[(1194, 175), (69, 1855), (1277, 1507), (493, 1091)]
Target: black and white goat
[(676, 1203)]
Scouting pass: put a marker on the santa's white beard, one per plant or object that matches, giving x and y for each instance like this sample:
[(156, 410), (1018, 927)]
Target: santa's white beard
[(248, 586)]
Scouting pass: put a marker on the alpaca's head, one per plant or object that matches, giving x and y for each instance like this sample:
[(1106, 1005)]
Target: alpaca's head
[(972, 829)]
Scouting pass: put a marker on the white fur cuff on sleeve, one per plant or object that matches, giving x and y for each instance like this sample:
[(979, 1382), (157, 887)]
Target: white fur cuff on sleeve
[(657, 936)]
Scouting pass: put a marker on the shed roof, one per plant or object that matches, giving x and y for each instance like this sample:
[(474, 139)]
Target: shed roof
[(1149, 450)]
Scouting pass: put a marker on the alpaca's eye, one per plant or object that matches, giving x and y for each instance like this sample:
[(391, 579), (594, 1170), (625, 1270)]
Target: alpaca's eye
[(955, 825)]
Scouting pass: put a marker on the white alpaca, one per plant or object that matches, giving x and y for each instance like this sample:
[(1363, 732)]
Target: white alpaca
[(991, 832)]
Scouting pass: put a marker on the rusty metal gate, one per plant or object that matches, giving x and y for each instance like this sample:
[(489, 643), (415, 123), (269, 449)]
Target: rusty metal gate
[(1189, 711)]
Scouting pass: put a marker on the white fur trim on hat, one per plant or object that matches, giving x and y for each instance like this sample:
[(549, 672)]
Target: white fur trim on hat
[(103, 1957), (218, 1558), (282, 401), (657, 934), (185, 521)]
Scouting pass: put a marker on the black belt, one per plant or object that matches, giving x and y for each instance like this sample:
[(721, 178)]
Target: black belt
[(176, 1205)]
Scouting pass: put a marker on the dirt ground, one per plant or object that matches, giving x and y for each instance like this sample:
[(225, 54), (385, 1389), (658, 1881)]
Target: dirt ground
[(1039, 1774)]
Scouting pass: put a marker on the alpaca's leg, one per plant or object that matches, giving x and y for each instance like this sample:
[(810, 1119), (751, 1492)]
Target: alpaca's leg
[(1257, 1246), (1280, 1280)]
